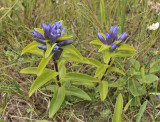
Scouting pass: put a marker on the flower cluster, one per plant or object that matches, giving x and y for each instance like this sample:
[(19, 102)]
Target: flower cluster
[(51, 33), (111, 37)]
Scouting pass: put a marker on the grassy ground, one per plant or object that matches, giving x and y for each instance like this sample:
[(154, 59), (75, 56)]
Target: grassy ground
[(83, 19)]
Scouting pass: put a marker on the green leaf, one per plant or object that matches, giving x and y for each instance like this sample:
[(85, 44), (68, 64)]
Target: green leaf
[(154, 70), (115, 69), (77, 92), (41, 31), (29, 70), (143, 74), (107, 56), (141, 111), (61, 67), (151, 78), (46, 76), (50, 88), (49, 49), (136, 89), (92, 62), (96, 42), (100, 70), (124, 53), (86, 84), (103, 90), (72, 57), (127, 105), (43, 64), (33, 48), (118, 109), (104, 47), (71, 76), (56, 101), (125, 47), (154, 63), (102, 11), (135, 64), (72, 50), (61, 38)]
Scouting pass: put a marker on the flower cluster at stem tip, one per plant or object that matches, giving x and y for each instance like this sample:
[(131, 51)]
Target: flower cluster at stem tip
[(111, 37), (51, 33)]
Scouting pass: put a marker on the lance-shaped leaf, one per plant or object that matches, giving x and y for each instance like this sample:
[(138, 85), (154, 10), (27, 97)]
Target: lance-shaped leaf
[(29, 70), (136, 89), (49, 49), (107, 55), (115, 69), (41, 31), (32, 70), (154, 63), (127, 105), (141, 111), (61, 38), (77, 92), (33, 48), (104, 47), (100, 70), (43, 64), (92, 62), (96, 42), (103, 90), (71, 76), (56, 101), (118, 109), (124, 53), (72, 50), (126, 47), (46, 76)]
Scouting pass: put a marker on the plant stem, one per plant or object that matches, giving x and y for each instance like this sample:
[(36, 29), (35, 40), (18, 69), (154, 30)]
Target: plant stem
[(105, 72), (106, 69), (56, 68)]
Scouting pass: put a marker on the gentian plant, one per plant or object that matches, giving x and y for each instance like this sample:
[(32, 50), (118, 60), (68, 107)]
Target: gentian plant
[(111, 46), (53, 45)]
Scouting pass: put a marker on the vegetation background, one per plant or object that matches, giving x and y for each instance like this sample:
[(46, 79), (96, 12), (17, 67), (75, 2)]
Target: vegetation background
[(83, 19)]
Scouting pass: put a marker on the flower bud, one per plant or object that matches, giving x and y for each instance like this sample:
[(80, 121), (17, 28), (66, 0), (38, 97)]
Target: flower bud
[(101, 38), (113, 47), (57, 54), (55, 48), (123, 36), (113, 31), (43, 47), (65, 42)]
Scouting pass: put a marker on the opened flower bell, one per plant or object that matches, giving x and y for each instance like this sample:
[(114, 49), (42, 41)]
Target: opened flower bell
[(51, 33), (111, 37)]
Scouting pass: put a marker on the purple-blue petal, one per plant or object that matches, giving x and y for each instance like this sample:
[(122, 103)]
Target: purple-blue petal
[(113, 47), (65, 42), (123, 36), (47, 29), (113, 31), (43, 47), (108, 39), (40, 41), (63, 30), (101, 38), (38, 35)]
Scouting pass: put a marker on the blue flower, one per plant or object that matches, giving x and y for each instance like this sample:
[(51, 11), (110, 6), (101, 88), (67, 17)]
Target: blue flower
[(65, 42), (51, 32), (111, 37)]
